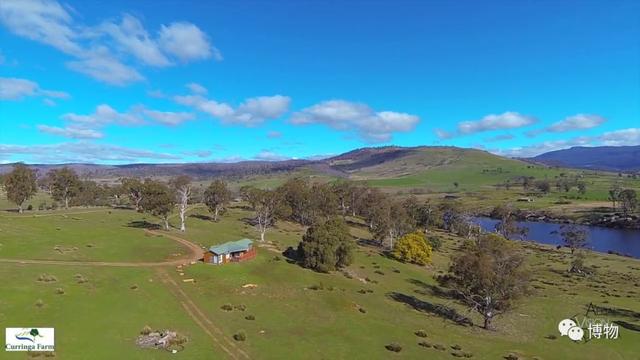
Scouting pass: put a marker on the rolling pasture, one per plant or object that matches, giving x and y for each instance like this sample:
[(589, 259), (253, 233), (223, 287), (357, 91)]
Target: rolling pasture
[(283, 309)]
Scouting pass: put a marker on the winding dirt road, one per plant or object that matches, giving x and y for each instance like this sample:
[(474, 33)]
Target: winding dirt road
[(227, 345)]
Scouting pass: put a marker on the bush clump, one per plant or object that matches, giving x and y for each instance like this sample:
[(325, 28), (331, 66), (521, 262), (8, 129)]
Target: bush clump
[(395, 347), (421, 333), (240, 336), (60, 291), (250, 317), (240, 307), (435, 242), (47, 278), (226, 307)]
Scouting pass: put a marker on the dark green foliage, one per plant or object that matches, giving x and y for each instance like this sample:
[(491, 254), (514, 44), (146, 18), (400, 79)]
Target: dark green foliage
[(20, 184), (395, 347), (240, 336), (421, 333), (216, 197), (488, 275), (65, 185), (158, 200), (327, 246), (435, 242)]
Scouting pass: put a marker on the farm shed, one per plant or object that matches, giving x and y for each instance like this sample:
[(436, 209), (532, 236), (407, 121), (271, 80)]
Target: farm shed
[(233, 251)]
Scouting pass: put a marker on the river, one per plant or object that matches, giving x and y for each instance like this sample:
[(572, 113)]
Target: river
[(602, 239)]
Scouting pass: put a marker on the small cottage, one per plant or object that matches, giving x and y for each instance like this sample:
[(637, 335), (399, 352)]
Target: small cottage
[(233, 251)]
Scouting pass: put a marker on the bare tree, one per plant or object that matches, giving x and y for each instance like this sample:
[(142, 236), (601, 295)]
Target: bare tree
[(266, 204), (182, 187)]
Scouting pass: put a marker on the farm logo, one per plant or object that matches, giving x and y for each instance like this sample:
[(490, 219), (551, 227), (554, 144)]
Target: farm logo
[(29, 339)]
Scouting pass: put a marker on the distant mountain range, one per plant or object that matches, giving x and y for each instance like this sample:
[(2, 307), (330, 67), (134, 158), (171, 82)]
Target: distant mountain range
[(367, 163), (611, 158)]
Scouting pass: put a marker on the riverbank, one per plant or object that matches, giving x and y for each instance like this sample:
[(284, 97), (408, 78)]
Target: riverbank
[(609, 220)]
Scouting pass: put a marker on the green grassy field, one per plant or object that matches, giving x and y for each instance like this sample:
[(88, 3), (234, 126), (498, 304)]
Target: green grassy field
[(82, 235), (296, 311)]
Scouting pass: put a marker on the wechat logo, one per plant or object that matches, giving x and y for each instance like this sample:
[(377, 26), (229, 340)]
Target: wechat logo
[(568, 327)]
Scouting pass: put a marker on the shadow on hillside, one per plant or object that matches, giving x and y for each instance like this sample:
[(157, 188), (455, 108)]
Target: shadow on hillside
[(627, 325), (612, 311), (201, 217), (435, 309), (433, 290), (143, 224)]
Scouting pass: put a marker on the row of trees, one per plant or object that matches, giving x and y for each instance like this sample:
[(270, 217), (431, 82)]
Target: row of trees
[(626, 198)]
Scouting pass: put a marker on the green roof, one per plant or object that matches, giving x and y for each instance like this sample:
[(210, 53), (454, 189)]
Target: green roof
[(231, 247)]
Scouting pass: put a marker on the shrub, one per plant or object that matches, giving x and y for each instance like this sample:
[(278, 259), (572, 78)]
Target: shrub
[(240, 307), (60, 291), (511, 357), (226, 307), (133, 287), (316, 287), (439, 347), (47, 278), (413, 248), (435, 242), (240, 336), (327, 246), (379, 272), (551, 337), (39, 303), (456, 347), (250, 317), (30, 207), (425, 344), (362, 310), (421, 333), (395, 347)]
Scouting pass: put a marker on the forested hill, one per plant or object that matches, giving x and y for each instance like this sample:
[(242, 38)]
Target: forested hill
[(612, 158), (372, 162)]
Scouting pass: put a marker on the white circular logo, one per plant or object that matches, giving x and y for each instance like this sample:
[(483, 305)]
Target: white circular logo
[(565, 325), (575, 333)]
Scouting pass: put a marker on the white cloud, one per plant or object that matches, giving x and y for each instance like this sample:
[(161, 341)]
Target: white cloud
[(104, 67), (196, 88), (72, 132), (251, 112), (16, 89), (577, 122), (186, 42), (507, 120), (40, 20), (103, 51), (82, 151), (104, 115), (348, 116), (131, 36), (622, 137), (268, 155), (442, 134), (168, 117), (571, 123)]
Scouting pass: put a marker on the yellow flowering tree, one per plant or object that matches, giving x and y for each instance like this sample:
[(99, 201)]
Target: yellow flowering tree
[(413, 248)]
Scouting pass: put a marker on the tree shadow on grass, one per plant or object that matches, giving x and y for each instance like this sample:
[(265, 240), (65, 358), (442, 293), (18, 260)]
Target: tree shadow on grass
[(201, 217), (143, 224), (612, 311), (435, 309), (628, 325), (433, 290)]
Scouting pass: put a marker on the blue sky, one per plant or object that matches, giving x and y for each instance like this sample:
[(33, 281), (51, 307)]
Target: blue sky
[(180, 81)]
